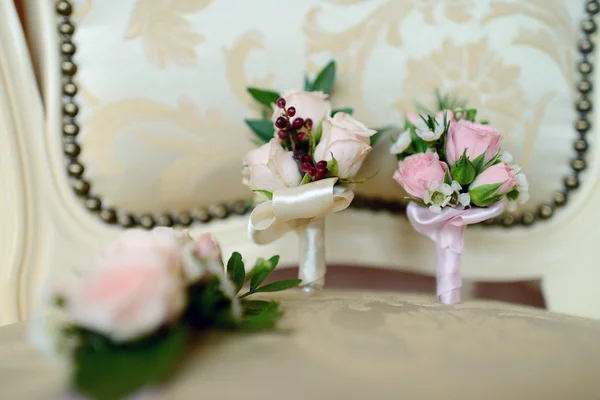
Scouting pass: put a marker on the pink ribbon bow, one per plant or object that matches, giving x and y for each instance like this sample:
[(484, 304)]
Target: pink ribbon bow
[(447, 230)]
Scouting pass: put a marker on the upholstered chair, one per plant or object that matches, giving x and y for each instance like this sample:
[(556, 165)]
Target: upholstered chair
[(131, 114)]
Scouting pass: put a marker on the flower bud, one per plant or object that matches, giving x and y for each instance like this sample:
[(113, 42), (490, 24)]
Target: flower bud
[(463, 171)]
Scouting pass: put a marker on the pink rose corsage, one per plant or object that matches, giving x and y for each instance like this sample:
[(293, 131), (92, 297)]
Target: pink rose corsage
[(127, 319), (456, 174)]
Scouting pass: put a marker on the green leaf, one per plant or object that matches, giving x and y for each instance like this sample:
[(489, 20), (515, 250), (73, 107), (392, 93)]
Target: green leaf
[(481, 195), (279, 286), (265, 192), (265, 319), (307, 84), (319, 132), (116, 371), (236, 270), (344, 110), (305, 179), (478, 162), (324, 80), (513, 194), (332, 166), (262, 128), (265, 270), (471, 113), (417, 143), (265, 97), (254, 305)]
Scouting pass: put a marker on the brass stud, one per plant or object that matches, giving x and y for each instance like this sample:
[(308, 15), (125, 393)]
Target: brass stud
[(93, 203), (527, 218), (585, 67), (68, 68), (560, 199), (580, 145), (571, 182), (584, 86), (70, 89), (578, 164), (70, 129), (588, 26), (545, 211), (584, 106), (70, 109), (592, 7), (71, 149), (75, 169), (202, 215), (108, 215), (81, 187), (507, 220), (582, 125), (219, 211), (147, 221), (68, 48), (164, 220), (184, 219), (239, 207), (64, 8), (66, 28), (126, 220), (489, 222)]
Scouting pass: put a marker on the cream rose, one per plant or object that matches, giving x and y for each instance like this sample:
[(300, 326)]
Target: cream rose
[(270, 167), (308, 105), (347, 140)]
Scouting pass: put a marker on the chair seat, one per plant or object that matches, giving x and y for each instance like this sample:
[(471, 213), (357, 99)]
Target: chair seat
[(360, 345)]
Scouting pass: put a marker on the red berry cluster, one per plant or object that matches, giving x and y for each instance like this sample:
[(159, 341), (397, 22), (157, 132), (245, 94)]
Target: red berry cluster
[(295, 134)]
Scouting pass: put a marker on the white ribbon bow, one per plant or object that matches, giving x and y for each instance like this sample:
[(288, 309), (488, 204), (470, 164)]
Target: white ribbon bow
[(293, 208)]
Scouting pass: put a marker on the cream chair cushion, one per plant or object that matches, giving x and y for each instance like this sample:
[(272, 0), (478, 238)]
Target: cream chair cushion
[(345, 345)]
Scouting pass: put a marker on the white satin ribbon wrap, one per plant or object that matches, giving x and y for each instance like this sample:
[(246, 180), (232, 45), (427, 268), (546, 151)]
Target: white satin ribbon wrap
[(301, 209), (447, 230)]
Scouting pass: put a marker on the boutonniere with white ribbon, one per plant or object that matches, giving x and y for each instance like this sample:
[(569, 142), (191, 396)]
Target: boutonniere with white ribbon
[(127, 320), (455, 172), (306, 168)]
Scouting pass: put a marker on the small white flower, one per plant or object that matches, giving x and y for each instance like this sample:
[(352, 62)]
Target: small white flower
[(523, 187), (438, 195), (455, 186), (402, 143), (464, 199), (425, 133), (506, 157)]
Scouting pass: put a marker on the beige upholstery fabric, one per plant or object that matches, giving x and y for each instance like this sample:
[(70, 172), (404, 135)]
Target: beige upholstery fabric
[(162, 83), (344, 345)]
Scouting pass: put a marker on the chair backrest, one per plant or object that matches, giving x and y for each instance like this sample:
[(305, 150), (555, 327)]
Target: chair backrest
[(145, 102)]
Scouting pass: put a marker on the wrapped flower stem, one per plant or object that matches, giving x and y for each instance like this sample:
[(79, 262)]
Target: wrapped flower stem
[(447, 229)]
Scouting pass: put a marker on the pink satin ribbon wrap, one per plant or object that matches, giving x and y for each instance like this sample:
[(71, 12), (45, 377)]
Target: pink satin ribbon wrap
[(447, 230)]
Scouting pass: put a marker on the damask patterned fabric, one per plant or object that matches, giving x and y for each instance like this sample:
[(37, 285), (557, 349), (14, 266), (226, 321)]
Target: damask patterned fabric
[(345, 345), (163, 83)]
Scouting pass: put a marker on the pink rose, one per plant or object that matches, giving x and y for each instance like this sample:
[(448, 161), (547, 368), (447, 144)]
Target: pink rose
[(161, 241), (202, 256), (415, 173), (500, 173), (132, 290), (270, 167), (475, 138), (348, 141), (308, 105)]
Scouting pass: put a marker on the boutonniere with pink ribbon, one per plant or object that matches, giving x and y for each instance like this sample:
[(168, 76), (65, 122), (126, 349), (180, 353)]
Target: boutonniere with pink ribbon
[(306, 169), (127, 320), (456, 174)]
